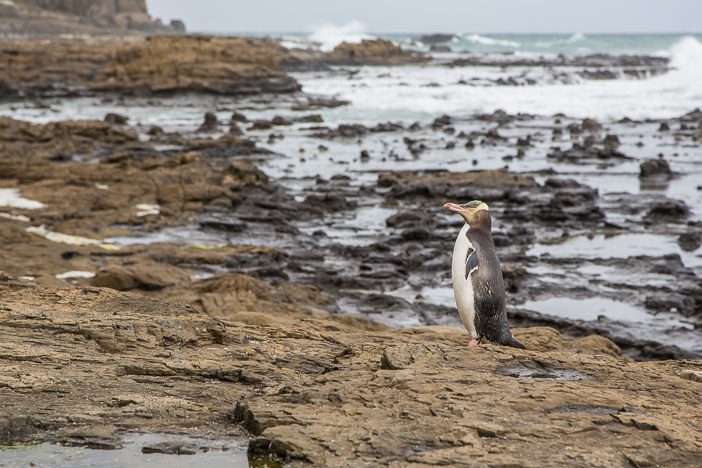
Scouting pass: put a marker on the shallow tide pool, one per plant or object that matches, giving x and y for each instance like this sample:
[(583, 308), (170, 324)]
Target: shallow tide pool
[(206, 452), (619, 246)]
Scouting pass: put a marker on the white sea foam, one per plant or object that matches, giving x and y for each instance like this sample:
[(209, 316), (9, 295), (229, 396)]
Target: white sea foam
[(489, 41), (406, 95), (686, 58), (329, 35), (295, 42), (577, 37)]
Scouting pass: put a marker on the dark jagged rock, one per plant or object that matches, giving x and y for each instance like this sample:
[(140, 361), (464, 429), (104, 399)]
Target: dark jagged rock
[(115, 119), (343, 131), (387, 127), (238, 117), (599, 75), (210, 123), (442, 121), (655, 167), (371, 52), (312, 118), (261, 125), (234, 129), (278, 120), (329, 201), (319, 103), (591, 125), (436, 38), (692, 116), (670, 211), (171, 448), (155, 131), (587, 151), (690, 241), (439, 48)]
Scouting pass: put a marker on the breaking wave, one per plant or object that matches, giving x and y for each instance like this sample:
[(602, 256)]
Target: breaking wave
[(577, 37), (328, 36), (489, 41), (686, 62)]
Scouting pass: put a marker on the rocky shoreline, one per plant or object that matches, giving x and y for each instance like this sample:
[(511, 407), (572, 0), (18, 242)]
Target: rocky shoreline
[(264, 272), (330, 389)]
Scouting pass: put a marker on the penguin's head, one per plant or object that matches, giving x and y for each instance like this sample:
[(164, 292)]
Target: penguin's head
[(475, 213)]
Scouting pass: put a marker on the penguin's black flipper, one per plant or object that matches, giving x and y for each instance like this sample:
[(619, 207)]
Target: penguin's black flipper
[(471, 262), (512, 341)]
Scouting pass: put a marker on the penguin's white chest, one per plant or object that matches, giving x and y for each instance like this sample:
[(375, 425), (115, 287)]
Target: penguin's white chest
[(462, 285)]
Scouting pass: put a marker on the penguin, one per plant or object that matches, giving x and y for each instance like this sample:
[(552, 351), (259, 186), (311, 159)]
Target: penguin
[(477, 280)]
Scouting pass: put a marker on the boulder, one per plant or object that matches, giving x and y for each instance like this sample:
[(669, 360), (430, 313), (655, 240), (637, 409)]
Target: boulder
[(115, 119), (371, 52), (655, 167), (210, 124)]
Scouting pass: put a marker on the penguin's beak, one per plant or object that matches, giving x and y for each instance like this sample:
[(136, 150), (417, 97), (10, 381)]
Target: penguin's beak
[(456, 208)]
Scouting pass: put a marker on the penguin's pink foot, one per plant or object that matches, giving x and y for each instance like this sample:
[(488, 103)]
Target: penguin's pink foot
[(473, 343)]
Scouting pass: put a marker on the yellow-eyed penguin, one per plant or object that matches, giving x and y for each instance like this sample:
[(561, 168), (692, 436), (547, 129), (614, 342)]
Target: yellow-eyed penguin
[(477, 278)]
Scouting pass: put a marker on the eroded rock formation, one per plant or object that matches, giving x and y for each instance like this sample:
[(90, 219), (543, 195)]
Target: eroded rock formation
[(79, 17)]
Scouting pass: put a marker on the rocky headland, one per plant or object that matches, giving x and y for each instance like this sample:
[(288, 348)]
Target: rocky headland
[(101, 17)]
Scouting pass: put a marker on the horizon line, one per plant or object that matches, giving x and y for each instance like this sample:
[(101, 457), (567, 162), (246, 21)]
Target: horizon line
[(406, 33)]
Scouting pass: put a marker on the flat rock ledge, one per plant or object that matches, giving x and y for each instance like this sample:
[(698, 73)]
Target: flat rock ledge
[(87, 363)]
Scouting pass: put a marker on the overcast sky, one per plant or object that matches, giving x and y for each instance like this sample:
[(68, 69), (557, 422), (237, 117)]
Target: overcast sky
[(516, 16)]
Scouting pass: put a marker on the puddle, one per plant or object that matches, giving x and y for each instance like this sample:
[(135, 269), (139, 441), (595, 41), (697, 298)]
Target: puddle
[(11, 198), (621, 246), (186, 235), (201, 452), (594, 307), (537, 370), (440, 295), (362, 228)]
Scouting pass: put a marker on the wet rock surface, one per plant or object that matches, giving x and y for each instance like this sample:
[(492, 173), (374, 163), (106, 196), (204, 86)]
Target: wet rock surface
[(63, 67), (205, 189), (371, 52)]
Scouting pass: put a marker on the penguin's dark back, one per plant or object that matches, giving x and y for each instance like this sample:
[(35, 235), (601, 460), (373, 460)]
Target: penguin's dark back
[(489, 289)]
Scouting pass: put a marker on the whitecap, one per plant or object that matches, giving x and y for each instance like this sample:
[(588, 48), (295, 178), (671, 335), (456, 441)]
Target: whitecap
[(686, 57), (577, 37), (328, 36), (489, 41)]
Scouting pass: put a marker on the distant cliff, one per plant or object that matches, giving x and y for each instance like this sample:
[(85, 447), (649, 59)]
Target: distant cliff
[(80, 17)]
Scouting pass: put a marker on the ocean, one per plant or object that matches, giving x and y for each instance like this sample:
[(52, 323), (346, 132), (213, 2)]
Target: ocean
[(419, 91)]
